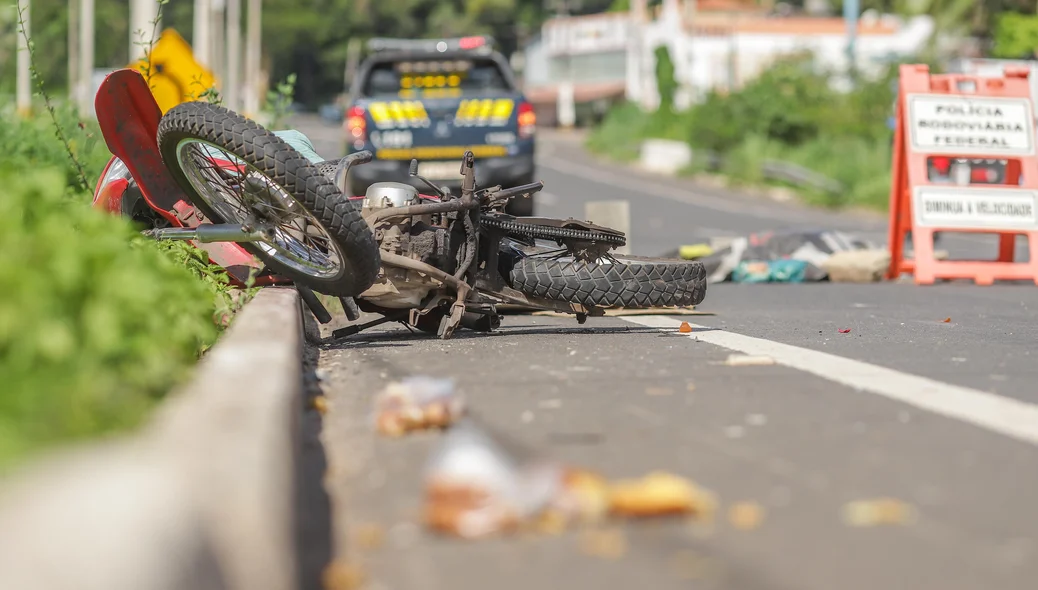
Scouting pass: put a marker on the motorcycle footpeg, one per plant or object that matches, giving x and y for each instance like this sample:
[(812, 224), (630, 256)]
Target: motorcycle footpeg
[(310, 298)]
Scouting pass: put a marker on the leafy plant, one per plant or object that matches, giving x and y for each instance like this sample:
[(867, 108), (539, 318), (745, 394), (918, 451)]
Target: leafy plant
[(58, 129), (280, 100)]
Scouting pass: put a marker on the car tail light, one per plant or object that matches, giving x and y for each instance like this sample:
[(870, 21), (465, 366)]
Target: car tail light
[(356, 125), (471, 42), (527, 120)]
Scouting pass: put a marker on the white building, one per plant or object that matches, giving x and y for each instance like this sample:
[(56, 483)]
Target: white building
[(714, 44)]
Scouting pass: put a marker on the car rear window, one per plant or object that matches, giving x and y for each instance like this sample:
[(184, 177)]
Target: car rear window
[(418, 78)]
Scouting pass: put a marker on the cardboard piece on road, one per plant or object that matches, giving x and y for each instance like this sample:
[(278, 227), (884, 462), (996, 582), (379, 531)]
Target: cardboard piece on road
[(612, 214), (857, 266), (964, 160), (175, 75)]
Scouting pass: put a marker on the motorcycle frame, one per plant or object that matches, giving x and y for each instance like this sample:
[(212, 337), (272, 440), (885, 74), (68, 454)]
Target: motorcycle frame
[(129, 116)]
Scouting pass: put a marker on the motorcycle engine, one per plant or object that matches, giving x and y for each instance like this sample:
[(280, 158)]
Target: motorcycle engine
[(421, 237)]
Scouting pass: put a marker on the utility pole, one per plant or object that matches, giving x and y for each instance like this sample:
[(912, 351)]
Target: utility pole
[(142, 23), (850, 15), (201, 36), (24, 88), (252, 57), (565, 106), (217, 42), (232, 90), (73, 50), (85, 84), (353, 48)]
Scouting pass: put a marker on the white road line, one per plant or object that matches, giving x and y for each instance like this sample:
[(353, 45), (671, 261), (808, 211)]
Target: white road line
[(996, 413)]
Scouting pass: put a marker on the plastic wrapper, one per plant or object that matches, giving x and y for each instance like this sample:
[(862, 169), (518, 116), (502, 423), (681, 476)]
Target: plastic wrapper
[(477, 484), (417, 403)]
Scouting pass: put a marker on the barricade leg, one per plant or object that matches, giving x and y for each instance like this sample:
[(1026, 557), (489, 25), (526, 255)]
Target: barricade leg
[(1032, 248), (922, 244), (1006, 247)]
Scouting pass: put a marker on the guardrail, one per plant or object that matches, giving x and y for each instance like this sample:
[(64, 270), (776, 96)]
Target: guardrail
[(780, 170)]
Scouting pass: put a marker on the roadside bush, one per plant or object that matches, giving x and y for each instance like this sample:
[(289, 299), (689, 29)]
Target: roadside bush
[(792, 113), (96, 323)]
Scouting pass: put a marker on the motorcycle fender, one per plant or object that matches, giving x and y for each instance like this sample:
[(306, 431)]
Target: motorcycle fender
[(129, 118)]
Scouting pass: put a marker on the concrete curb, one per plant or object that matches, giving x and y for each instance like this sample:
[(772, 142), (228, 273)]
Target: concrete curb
[(201, 498)]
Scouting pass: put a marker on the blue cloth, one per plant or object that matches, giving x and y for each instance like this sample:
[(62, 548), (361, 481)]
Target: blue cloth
[(301, 143), (772, 271)]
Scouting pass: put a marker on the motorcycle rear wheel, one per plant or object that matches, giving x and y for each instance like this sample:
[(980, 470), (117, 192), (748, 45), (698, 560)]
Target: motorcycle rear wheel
[(624, 281), (332, 251)]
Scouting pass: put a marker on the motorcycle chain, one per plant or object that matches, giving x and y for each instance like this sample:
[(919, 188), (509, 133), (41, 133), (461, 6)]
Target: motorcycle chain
[(547, 232)]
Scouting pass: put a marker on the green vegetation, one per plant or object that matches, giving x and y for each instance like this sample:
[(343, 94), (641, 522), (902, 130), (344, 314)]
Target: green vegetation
[(96, 322), (1016, 36), (790, 113)]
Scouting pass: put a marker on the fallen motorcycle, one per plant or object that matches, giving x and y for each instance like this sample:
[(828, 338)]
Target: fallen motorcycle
[(434, 261)]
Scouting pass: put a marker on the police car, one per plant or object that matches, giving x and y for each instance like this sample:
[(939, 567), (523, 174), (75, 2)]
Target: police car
[(432, 100)]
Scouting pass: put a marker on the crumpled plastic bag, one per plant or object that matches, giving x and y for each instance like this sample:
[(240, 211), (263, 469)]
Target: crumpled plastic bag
[(417, 403), (477, 484)]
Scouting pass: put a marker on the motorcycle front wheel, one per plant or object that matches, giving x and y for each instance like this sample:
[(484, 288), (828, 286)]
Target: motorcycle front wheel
[(235, 171), (617, 281)]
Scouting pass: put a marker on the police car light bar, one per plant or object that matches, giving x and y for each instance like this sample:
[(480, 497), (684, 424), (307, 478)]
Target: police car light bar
[(482, 43)]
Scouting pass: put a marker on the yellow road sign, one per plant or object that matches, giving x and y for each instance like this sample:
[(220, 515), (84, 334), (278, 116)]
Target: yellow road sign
[(175, 76)]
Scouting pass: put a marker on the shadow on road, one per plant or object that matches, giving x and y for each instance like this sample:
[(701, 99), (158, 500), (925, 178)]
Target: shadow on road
[(396, 338), (313, 517)]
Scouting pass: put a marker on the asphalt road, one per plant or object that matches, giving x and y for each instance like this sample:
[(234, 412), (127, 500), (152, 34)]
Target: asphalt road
[(942, 416)]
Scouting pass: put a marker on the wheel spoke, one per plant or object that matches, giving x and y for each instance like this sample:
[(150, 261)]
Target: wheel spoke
[(228, 192)]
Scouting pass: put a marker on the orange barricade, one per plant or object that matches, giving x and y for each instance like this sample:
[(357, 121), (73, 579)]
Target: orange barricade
[(964, 161)]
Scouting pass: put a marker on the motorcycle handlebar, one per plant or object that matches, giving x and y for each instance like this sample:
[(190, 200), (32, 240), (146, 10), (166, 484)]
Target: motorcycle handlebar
[(521, 189)]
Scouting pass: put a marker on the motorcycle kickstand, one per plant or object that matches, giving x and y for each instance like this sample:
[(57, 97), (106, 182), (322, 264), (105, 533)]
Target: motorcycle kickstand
[(351, 330), (451, 321)]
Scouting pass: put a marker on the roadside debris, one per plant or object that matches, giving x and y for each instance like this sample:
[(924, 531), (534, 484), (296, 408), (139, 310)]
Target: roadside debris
[(946, 320), (744, 360), (417, 403), (478, 485), (319, 403), (659, 494), (656, 391), (746, 515), (866, 513), (370, 536), (475, 486), (857, 266), (610, 543), (340, 575), (789, 256), (844, 330)]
